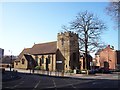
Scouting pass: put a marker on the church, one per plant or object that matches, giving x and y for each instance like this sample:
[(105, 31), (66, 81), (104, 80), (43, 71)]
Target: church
[(59, 55)]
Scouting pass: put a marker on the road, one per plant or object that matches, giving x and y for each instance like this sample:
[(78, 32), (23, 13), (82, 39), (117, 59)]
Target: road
[(33, 82)]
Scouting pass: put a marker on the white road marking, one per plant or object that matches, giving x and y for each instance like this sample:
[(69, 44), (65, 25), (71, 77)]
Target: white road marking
[(54, 83), (18, 84), (37, 85), (94, 83), (72, 84)]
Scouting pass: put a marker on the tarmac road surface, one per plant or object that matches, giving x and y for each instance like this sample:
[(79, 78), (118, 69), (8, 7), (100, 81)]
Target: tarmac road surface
[(37, 82)]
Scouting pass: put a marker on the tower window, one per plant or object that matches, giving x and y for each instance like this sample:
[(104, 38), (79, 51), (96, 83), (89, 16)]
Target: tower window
[(62, 41), (74, 56)]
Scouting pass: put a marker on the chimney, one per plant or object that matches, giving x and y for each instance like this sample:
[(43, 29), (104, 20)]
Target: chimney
[(108, 46)]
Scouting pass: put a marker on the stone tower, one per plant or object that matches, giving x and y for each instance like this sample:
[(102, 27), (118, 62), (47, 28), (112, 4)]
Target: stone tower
[(68, 46)]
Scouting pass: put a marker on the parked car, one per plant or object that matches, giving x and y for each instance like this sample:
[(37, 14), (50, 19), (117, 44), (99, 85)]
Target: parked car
[(2, 69), (102, 70), (89, 72)]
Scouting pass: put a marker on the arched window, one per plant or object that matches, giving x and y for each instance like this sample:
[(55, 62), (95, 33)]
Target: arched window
[(23, 61), (36, 59), (48, 59), (42, 59), (16, 63)]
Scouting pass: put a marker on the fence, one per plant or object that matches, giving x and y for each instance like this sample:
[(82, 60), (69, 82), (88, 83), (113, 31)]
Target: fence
[(42, 72)]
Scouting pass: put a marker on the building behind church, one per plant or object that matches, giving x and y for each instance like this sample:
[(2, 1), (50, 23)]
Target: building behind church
[(108, 58), (59, 55)]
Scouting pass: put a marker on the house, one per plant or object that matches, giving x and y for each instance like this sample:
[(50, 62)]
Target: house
[(108, 57), (82, 61), (60, 55), (7, 60)]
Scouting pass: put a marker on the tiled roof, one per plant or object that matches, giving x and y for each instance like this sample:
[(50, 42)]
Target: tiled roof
[(98, 52), (44, 48), (28, 57), (25, 51)]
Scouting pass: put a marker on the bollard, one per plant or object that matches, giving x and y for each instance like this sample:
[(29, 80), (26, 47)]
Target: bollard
[(62, 73), (87, 72), (47, 72), (58, 73)]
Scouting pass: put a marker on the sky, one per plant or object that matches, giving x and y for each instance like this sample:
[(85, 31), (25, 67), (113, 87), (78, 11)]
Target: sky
[(24, 23)]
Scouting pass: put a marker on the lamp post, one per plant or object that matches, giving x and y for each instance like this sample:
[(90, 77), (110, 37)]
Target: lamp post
[(10, 65)]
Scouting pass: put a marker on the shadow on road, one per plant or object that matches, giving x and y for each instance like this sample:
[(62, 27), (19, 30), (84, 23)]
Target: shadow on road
[(30, 81)]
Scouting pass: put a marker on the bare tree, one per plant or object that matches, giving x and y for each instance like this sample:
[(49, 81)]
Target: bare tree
[(89, 29), (114, 9)]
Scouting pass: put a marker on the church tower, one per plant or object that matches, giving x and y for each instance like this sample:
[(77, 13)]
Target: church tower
[(68, 46)]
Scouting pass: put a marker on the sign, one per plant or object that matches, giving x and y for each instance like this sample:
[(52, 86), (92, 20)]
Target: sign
[(91, 63), (58, 61)]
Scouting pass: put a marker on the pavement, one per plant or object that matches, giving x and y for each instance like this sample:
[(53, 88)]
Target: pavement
[(113, 76)]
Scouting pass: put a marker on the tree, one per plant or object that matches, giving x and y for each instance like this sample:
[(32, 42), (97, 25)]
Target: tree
[(113, 10), (89, 29)]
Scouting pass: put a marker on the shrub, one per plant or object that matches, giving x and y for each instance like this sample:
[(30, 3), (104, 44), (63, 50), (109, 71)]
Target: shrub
[(37, 68), (78, 71), (69, 71)]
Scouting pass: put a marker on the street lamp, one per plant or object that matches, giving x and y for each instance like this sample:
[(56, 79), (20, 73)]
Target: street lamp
[(10, 65)]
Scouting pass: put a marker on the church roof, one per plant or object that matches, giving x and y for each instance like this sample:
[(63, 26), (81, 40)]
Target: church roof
[(44, 48), (29, 58), (25, 51), (39, 49)]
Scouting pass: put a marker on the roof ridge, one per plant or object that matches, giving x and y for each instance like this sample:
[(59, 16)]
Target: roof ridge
[(27, 48), (46, 43)]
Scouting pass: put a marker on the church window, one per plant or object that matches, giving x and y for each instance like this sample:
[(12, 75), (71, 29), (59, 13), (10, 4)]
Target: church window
[(49, 59), (42, 59), (40, 62), (36, 59), (16, 63), (23, 61)]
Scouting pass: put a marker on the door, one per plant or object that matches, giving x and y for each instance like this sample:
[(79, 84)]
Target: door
[(47, 64), (106, 64)]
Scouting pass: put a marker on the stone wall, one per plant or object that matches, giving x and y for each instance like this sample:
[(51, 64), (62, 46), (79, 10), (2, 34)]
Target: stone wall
[(67, 43), (18, 64)]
